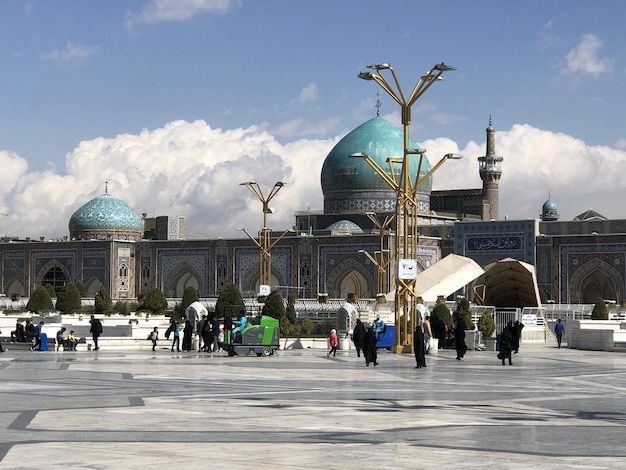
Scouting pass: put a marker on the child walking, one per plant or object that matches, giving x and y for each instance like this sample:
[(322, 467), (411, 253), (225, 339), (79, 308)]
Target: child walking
[(154, 336), (333, 341)]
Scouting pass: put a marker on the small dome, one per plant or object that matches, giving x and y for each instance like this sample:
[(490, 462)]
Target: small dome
[(105, 217), (350, 185), (549, 205), (549, 211), (343, 227)]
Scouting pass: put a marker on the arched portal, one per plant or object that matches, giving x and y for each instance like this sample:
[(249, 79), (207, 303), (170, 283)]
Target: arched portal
[(53, 273), (594, 279), (350, 276)]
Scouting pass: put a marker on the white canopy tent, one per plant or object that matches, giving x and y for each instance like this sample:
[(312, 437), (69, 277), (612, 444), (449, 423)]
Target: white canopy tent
[(444, 277)]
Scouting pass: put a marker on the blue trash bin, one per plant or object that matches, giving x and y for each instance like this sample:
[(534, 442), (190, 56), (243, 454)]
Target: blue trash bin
[(498, 340), (43, 342)]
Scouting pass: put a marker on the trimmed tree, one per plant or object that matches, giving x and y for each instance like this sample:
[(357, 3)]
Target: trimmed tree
[(230, 302), (486, 324), (50, 290), (81, 288), (154, 301), (274, 306), (190, 296), (40, 301), (463, 311), (68, 299), (102, 302), (439, 318), (600, 312)]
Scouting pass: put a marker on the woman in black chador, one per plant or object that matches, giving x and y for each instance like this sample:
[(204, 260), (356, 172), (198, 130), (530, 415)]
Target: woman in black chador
[(419, 347), (369, 347), (358, 336), (506, 343), (187, 336), (459, 340)]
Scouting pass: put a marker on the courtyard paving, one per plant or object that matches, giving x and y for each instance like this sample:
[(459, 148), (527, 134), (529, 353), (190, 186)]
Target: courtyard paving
[(553, 408)]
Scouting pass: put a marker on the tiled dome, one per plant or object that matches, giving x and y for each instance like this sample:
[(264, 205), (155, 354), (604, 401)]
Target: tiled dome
[(105, 217), (351, 185)]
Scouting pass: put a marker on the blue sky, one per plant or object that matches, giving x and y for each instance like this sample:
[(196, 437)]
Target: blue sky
[(175, 102)]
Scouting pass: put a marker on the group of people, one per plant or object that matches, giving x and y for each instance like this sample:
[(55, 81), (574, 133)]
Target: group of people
[(31, 333), (69, 342), (28, 333), (209, 331), (364, 338), (509, 341)]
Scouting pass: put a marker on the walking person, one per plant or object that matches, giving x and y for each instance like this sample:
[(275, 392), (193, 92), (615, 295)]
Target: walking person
[(559, 331), (369, 348), (428, 334), (517, 335), (215, 330), (419, 347), (459, 339), (506, 344), (187, 336), (333, 342), (358, 336), (154, 337), (95, 330), (175, 335), (207, 336)]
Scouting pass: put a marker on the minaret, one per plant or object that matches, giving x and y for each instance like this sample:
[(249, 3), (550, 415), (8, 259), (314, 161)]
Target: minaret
[(490, 169)]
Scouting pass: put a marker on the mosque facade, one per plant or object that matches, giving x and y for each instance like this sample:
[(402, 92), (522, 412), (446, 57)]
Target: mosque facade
[(111, 246)]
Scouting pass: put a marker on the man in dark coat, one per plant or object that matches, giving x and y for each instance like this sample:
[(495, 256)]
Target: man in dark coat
[(358, 336), (419, 347), (369, 347), (459, 340), (96, 331)]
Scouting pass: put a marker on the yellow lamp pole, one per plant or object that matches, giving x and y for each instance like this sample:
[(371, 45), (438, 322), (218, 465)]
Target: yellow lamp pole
[(381, 263), (405, 187), (264, 243), (382, 284)]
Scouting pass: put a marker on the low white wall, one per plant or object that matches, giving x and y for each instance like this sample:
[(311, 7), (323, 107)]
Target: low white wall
[(302, 343), (594, 335)]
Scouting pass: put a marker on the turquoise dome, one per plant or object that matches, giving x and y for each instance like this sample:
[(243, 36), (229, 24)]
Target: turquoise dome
[(549, 205), (105, 215), (549, 211), (350, 185), (345, 226)]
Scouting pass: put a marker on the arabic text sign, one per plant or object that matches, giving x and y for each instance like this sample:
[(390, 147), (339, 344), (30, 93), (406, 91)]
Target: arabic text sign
[(407, 269), (494, 243)]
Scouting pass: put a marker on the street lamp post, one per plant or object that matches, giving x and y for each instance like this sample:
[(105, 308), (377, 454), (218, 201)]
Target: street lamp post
[(382, 284), (264, 243), (381, 262), (405, 187)]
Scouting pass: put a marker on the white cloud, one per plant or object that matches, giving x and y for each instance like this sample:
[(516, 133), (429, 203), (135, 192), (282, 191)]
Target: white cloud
[(72, 52), (308, 93), (537, 163), (301, 128), (585, 57), (193, 170), (183, 168), (157, 11)]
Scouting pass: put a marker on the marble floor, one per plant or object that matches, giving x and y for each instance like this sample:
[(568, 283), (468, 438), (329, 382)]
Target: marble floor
[(553, 408)]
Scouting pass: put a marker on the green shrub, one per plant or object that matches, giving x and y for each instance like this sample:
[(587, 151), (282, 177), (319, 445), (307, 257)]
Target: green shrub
[(486, 324), (600, 311)]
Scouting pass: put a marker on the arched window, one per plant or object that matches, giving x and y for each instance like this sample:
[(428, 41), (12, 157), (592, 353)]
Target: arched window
[(55, 277)]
